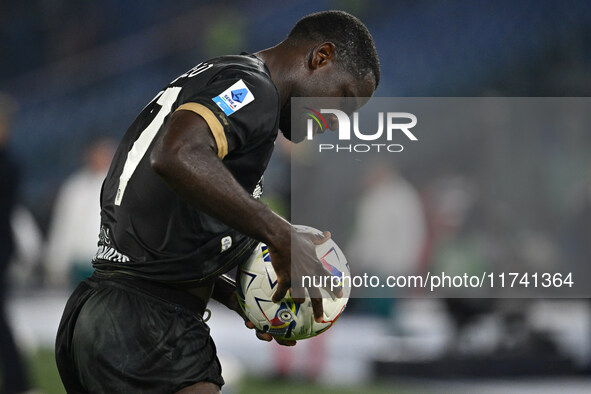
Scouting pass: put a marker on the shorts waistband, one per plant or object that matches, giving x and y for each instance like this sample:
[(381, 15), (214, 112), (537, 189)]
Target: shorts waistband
[(160, 291)]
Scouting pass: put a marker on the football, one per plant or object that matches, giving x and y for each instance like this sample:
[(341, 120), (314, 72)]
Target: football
[(287, 319)]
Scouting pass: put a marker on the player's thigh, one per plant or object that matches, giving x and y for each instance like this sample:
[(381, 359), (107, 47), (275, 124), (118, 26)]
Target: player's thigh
[(127, 342), (201, 388)]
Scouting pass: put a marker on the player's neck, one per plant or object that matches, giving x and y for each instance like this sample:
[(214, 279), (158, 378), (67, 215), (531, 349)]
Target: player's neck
[(279, 61)]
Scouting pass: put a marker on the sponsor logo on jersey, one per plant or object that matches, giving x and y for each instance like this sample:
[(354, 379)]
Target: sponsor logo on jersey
[(226, 243), (258, 190), (234, 98), (109, 253)]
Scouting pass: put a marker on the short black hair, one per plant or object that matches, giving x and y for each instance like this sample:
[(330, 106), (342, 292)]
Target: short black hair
[(355, 48)]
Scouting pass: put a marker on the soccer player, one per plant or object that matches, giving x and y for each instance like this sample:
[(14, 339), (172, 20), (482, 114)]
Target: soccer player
[(179, 208)]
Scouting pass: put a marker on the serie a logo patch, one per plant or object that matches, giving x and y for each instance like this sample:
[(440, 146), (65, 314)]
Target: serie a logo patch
[(234, 98)]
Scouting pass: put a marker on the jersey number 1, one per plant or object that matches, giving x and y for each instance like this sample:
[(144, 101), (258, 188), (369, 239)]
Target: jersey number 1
[(140, 146), (165, 100)]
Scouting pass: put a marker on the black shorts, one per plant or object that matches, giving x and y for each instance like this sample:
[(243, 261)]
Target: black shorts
[(117, 337)]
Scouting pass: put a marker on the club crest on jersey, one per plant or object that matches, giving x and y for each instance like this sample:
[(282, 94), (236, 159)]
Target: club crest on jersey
[(226, 243), (234, 98)]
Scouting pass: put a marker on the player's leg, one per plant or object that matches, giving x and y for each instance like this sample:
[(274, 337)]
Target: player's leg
[(63, 344), (160, 345), (201, 388)]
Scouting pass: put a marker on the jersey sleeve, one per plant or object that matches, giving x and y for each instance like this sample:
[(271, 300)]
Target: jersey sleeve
[(240, 108)]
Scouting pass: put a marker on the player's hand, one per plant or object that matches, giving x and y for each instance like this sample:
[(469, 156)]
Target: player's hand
[(263, 336), (300, 257)]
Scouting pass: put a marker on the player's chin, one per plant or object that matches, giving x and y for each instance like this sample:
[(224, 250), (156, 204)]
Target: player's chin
[(293, 137)]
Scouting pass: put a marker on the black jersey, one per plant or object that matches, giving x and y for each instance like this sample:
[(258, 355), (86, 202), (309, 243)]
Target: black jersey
[(149, 231)]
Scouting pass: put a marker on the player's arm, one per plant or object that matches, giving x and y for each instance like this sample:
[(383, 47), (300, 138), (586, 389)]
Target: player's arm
[(186, 157)]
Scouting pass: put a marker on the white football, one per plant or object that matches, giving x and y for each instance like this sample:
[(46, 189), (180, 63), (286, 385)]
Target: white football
[(287, 319)]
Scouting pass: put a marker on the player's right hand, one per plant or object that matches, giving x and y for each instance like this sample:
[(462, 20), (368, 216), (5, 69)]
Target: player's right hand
[(300, 259)]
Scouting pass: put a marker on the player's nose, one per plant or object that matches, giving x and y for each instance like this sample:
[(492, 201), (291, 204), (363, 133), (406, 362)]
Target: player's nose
[(332, 121)]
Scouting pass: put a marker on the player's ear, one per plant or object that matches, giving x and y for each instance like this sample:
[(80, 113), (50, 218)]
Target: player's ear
[(322, 55)]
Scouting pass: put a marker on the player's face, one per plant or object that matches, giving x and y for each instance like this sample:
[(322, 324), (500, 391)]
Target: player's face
[(329, 81)]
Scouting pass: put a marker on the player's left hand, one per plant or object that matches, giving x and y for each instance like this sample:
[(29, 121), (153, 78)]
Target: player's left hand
[(263, 336)]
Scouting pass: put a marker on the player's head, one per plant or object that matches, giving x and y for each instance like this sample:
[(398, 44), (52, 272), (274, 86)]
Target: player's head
[(354, 49), (340, 59)]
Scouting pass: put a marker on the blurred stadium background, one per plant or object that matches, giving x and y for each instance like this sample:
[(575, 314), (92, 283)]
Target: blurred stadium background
[(81, 70)]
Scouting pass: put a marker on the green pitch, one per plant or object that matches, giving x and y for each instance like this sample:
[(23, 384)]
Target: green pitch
[(44, 376)]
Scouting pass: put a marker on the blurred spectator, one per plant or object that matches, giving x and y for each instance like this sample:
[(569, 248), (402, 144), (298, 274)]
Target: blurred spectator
[(74, 228), (459, 245), (12, 373), (578, 247), (28, 248), (390, 231), (390, 223)]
